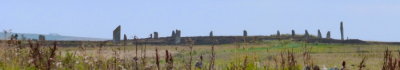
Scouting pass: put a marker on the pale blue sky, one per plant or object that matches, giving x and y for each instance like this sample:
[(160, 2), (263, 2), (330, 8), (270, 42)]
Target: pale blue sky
[(377, 20)]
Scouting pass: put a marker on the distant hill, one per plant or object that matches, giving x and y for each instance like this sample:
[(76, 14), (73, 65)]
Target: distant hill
[(52, 37)]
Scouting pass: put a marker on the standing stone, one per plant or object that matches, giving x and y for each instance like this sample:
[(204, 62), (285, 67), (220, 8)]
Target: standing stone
[(42, 38), (151, 36), (341, 31), (306, 35), (278, 34), (117, 34), (178, 33), (14, 36), (293, 33), (319, 34), (177, 36), (328, 35), (173, 34), (211, 34), (244, 33), (155, 35), (125, 39)]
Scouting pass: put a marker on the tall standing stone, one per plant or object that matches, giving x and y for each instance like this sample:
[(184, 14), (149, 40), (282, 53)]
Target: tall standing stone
[(341, 31), (117, 34), (151, 36), (278, 34), (244, 33), (178, 33), (306, 35), (211, 34), (125, 39), (177, 36), (155, 35), (173, 34), (319, 34), (293, 33), (328, 35), (42, 38)]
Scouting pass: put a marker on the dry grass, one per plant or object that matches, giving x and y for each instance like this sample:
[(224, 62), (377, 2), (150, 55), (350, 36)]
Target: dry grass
[(252, 56)]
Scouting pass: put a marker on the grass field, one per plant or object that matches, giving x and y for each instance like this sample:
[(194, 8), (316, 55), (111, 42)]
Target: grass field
[(272, 55)]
